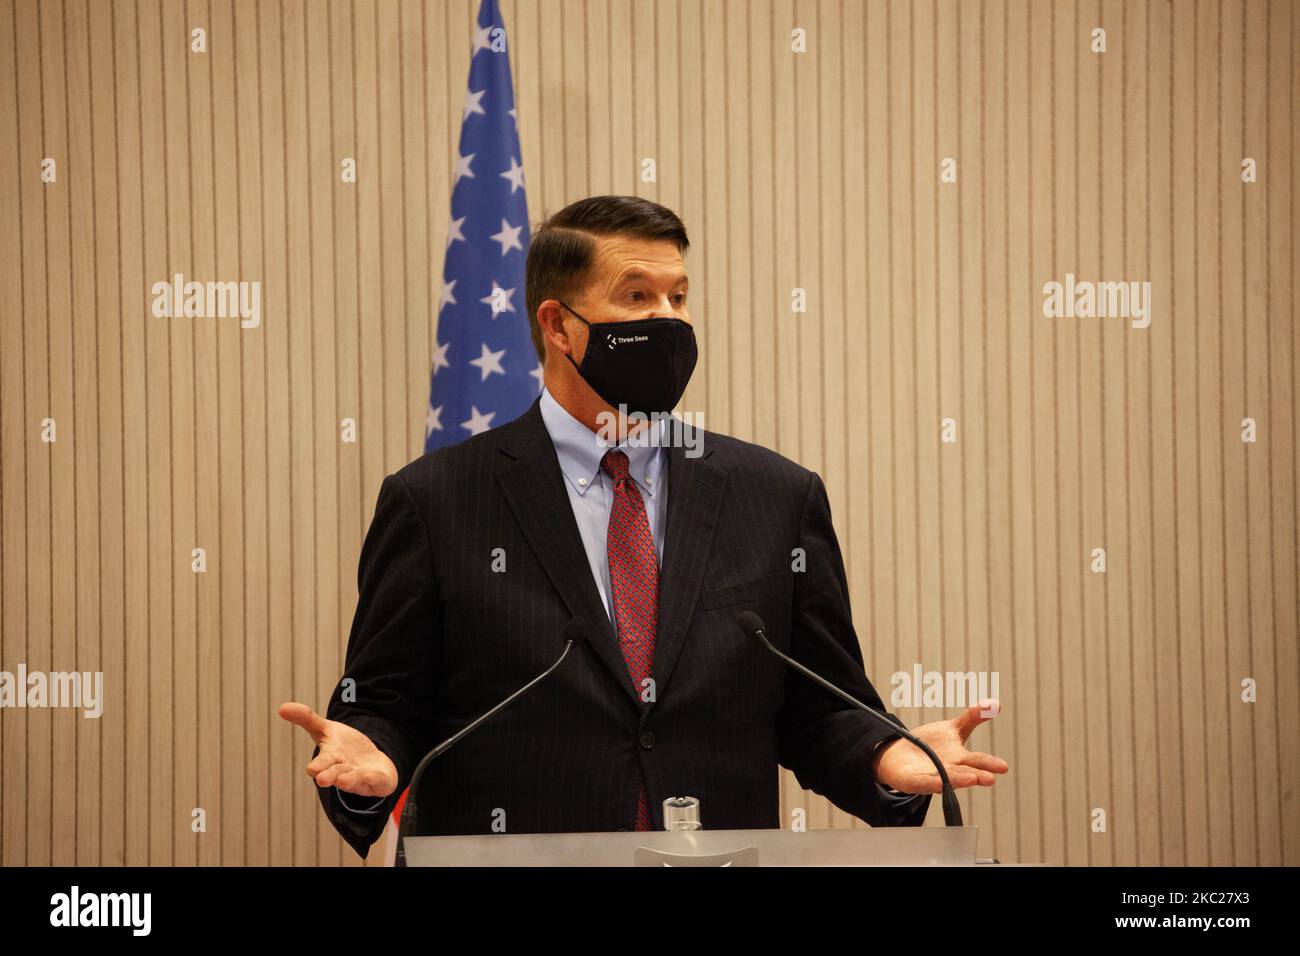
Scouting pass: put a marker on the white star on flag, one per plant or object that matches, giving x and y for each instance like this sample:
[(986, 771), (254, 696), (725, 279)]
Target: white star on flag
[(474, 103), (508, 237), (453, 231), (489, 362), (491, 299), (440, 358), (432, 422), (462, 168), (447, 298), (478, 421), (515, 174)]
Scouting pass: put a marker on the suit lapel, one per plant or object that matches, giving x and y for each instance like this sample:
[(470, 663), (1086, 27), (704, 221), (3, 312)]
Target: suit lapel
[(695, 492), (529, 476)]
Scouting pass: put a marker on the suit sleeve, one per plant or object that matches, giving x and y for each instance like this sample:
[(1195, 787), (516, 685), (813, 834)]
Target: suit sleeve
[(827, 743), (391, 657)]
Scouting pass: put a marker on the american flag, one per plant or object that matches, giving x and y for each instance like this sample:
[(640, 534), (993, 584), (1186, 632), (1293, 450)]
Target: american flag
[(485, 371)]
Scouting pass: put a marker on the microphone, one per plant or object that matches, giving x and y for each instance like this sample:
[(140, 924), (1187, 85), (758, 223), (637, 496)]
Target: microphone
[(752, 626), (575, 632)]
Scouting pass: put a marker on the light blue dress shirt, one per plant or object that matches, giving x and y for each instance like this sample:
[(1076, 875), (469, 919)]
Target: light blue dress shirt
[(591, 490)]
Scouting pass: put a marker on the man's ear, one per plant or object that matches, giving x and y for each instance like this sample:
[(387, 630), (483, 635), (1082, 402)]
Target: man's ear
[(550, 318)]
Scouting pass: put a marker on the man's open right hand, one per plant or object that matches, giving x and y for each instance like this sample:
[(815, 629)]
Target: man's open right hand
[(347, 758)]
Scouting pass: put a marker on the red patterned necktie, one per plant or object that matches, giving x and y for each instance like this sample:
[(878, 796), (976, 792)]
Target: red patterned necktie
[(634, 580)]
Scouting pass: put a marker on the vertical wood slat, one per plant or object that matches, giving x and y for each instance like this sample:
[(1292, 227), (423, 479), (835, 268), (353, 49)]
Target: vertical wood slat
[(818, 171), (247, 152), (38, 479), (1284, 364), (13, 537), (1116, 401), (851, 334), (194, 632), (993, 233), (102, 787), (1139, 409), (1160, 182), (1256, 596), (1020, 664), (61, 345)]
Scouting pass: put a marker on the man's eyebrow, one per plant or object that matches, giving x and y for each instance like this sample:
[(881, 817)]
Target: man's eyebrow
[(640, 274)]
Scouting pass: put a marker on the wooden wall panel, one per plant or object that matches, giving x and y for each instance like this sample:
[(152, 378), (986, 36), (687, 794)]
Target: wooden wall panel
[(819, 171)]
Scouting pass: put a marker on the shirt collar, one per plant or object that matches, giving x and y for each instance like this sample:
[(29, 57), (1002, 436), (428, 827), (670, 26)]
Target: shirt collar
[(580, 450)]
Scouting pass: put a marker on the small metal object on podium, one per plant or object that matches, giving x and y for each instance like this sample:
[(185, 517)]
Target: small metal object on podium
[(682, 813)]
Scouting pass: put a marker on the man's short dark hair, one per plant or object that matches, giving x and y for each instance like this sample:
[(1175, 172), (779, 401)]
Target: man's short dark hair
[(562, 251)]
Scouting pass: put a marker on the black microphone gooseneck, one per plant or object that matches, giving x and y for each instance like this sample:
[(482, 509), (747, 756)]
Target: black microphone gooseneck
[(575, 632), (752, 625)]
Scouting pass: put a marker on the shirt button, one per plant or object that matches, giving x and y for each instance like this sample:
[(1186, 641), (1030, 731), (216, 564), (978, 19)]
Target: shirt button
[(583, 482), (647, 741)]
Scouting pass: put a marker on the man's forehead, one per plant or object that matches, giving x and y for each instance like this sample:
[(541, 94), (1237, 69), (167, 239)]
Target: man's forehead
[(622, 257)]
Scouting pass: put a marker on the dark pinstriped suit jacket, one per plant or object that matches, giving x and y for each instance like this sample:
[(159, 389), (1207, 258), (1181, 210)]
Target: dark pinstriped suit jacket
[(439, 637)]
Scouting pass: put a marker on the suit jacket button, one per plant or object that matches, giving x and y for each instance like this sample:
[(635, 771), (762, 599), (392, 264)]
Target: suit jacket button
[(647, 741)]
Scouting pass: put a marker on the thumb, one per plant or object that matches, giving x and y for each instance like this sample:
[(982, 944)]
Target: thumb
[(304, 717), (976, 714)]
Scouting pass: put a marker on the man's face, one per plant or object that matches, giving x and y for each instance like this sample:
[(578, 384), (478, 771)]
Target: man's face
[(631, 279)]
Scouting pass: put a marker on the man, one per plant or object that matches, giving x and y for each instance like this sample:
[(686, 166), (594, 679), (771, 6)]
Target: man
[(479, 554)]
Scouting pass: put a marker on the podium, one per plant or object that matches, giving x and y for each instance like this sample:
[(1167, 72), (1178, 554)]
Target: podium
[(884, 846)]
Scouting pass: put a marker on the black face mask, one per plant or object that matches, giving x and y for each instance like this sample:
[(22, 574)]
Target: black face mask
[(642, 364)]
